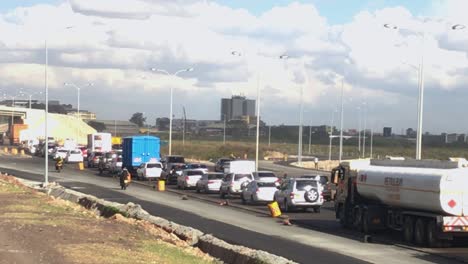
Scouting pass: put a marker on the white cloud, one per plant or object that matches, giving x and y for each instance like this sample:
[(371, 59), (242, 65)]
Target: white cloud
[(114, 42)]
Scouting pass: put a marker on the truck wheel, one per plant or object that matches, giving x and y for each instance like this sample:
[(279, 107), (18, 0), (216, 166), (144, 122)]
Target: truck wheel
[(244, 201), (431, 233), (420, 232), (197, 189), (222, 195), (408, 229)]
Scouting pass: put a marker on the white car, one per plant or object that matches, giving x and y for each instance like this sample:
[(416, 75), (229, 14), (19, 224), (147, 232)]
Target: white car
[(149, 170), (299, 193), (233, 182), (259, 191), (210, 182), (74, 155), (189, 179), (60, 152), (266, 176)]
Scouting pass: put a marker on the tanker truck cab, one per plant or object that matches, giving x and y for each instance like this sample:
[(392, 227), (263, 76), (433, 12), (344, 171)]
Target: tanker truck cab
[(426, 200)]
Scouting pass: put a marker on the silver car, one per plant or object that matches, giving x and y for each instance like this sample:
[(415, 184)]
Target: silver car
[(299, 193), (210, 182)]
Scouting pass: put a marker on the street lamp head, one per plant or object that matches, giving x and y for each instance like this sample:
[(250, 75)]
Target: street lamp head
[(284, 57), (190, 69), (390, 26), (458, 27), (66, 84), (154, 69)]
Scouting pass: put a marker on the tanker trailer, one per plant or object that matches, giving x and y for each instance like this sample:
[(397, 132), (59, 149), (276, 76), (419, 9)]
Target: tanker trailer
[(425, 199)]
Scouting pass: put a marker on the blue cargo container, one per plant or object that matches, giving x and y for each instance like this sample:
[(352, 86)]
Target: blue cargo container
[(139, 149)]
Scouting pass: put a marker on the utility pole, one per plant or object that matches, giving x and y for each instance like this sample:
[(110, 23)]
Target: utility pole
[(183, 129), (269, 135), (341, 123), (310, 135)]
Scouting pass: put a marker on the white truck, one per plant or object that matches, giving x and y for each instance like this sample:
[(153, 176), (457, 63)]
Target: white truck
[(101, 142), (425, 199), (240, 166)]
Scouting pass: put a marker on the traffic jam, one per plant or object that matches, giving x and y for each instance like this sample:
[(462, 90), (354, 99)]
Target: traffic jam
[(424, 200)]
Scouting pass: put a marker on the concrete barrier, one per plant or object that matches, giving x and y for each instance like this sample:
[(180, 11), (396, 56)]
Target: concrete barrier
[(207, 243)]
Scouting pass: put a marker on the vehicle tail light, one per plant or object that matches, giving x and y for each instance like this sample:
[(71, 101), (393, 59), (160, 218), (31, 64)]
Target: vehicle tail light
[(187, 178), (210, 182), (291, 195), (257, 190), (231, 184)]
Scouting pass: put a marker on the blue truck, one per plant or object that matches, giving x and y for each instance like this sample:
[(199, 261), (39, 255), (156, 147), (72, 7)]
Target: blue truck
[(139, 149)]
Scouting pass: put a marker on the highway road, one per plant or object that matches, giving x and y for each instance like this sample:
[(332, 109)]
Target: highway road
[(313, 238)]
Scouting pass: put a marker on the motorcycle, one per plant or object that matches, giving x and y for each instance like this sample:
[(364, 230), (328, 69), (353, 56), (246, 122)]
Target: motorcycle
[(58, 167)]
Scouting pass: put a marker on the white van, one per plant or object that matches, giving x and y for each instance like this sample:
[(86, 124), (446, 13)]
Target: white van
[(240, 166)]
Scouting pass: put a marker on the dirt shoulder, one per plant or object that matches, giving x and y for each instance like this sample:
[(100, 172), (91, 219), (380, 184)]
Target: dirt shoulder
[(35, 228)]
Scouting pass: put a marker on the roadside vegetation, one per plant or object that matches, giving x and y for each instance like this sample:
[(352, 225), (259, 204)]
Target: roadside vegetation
[(214, 149), (74, 235)]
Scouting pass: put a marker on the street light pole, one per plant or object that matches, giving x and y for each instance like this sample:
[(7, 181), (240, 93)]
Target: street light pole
[(46, 135), (171, 100), (310, 135), (224, 130), (365, 132), (258, 122), (269, 135), (341, 123), (331, 134), (359, 132)]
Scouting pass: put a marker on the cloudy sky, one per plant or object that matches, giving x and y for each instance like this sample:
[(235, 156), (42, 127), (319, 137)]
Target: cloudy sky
[(115, 43)]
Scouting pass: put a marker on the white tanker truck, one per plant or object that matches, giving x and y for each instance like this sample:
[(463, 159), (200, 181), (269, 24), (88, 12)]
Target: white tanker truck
[(427, 200)]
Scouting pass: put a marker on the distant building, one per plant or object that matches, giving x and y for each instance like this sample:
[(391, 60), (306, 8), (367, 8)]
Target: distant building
[(387, 131), (450, 138), (84, 115), (237, 107)]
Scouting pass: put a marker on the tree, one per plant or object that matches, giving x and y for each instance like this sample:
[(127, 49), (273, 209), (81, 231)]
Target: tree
[(138, 119), (99, 126)]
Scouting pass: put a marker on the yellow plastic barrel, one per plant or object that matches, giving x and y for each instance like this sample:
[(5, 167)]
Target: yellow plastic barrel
[(161, 185), (274, 209), (14, 151), (5, 149), (22, 152), (80, 166)]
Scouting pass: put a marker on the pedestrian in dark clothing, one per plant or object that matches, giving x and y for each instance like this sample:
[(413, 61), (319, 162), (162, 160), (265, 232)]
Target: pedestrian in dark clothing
[(124, 179)]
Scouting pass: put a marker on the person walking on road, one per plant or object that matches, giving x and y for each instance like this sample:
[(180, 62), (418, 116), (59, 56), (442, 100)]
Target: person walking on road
[(316, 163), (125, 179)]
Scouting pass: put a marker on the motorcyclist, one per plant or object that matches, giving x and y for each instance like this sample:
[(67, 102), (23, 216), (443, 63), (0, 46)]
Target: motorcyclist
[(125, 179), (58, 163)]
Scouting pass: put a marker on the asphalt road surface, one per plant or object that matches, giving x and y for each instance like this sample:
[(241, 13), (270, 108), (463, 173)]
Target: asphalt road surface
[(314, 238)]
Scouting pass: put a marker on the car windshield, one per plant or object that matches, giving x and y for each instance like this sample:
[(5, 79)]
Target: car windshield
[(305, 185), (153, 165), (265, 174), (62, 150), (75, 152), (98, 154), (215, 176), (266, 184), (223, 161), (194, 173), (241, 176), (109, 155), (175, 159)]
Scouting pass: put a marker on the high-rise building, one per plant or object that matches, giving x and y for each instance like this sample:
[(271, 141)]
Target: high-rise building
[(237, 107), (387, 131)]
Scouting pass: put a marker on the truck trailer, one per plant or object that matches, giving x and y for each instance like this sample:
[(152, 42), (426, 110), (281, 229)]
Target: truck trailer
[(427, 200), (139, 149), (99, 142)]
